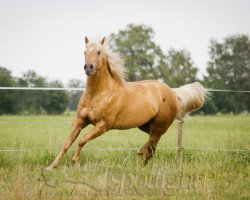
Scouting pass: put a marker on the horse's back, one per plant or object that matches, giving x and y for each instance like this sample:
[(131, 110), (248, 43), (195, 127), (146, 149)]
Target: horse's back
[(157, 90)]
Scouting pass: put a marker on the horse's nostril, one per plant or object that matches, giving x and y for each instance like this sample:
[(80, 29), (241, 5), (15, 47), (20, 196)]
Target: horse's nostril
[(85, 66), (91, 66)]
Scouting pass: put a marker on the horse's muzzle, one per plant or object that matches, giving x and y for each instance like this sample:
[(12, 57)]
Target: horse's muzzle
[(89, 69)]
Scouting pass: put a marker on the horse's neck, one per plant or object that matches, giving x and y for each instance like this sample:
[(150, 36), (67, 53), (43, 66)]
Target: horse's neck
[(100, 82), (94, 85)]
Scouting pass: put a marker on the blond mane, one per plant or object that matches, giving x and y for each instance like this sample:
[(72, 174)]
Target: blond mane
[(116, 66)]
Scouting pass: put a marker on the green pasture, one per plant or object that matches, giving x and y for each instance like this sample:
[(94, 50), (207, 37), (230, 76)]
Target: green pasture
[(111, 169)]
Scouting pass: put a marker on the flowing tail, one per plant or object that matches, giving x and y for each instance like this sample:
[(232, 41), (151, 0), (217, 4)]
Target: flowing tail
[(191, 97)]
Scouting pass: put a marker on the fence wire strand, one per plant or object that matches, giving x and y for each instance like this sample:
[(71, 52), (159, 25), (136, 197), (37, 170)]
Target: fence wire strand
[(82, 89), (125, 149)]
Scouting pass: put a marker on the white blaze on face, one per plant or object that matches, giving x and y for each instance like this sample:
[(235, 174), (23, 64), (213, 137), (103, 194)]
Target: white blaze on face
[(91, 49)]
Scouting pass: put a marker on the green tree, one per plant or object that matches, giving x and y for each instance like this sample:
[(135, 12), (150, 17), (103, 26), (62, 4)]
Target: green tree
[(37, 102), (143, 58), (7, 97), (180, 68), (229, 68), (56, 101), (31, 101)]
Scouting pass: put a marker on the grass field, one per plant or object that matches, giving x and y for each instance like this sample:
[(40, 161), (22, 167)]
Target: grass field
[(119, 174)]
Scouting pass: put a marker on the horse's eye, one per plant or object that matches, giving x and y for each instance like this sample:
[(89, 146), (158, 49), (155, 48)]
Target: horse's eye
[(98, 52), (84, 52)]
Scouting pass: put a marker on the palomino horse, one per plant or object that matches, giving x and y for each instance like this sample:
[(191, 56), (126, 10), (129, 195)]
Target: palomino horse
[(109, 102)]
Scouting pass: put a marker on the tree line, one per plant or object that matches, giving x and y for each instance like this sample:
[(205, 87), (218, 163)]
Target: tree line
[(228, 68)]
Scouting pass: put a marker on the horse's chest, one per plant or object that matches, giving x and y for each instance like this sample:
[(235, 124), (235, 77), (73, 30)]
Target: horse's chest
[(103, 107), (93, 115)]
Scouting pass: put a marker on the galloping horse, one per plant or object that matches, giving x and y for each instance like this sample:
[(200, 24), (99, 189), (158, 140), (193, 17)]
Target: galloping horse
[(109, 102)]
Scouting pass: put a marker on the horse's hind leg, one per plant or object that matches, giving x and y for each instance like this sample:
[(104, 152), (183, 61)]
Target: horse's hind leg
[(157, 128), (148, 149)]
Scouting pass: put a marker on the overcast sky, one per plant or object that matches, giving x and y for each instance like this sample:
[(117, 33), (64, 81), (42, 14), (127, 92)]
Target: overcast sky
[(47, 36)]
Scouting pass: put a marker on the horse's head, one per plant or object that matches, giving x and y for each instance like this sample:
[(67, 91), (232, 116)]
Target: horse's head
[(93, 56)]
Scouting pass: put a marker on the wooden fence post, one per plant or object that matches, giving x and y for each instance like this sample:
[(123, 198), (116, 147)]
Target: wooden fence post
[(180, 145)]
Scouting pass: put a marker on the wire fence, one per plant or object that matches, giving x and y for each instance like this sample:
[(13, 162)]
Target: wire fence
[(114, 149), (67, 123), (82, 89), (123, 149), (126, 149), (42, 88)]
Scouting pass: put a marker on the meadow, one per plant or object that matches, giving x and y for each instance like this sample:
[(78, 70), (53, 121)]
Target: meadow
[(215, 162)]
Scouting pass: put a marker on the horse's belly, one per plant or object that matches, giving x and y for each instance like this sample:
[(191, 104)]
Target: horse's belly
[(129, 123), (135, 116)]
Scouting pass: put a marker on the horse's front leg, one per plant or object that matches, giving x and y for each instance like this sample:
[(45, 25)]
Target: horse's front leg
[(98, 130), (77, 125)]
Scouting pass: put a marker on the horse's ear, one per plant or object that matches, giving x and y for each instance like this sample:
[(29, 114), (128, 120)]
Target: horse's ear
[(102, 41), (86, 40)]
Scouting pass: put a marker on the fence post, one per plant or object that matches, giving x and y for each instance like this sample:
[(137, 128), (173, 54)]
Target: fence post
[(180, 145)]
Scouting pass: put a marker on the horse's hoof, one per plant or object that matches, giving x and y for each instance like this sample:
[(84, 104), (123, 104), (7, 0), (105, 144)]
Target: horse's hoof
[(49, 169), (75, 164), (140, 152)]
